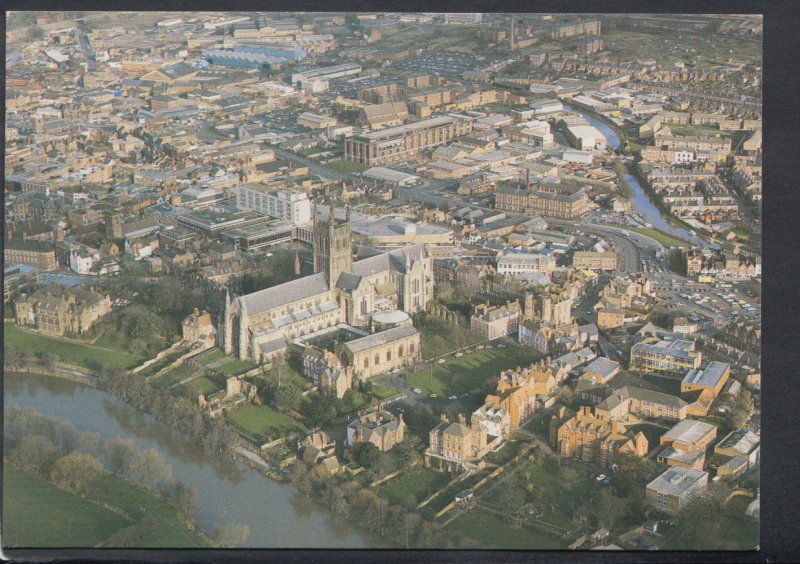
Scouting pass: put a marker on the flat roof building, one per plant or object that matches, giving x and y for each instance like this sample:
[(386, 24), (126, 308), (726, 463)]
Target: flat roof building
[(404, 141), (675, 488)]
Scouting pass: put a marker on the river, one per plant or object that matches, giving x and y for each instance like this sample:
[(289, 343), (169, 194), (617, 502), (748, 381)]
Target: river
[(641, 201), (228, 491)]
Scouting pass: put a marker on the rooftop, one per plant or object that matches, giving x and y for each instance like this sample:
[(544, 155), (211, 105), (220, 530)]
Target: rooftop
[(676, 480)]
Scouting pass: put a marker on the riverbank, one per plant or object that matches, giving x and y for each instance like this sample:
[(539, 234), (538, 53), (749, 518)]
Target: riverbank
[(115, 514), (228, 490)]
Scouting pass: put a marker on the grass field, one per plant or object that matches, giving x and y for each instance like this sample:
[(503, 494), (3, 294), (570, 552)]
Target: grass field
[(419, 483), (82, 355), (173, 376), (38, 514), (201, 385), (341, 165), (383, 392), (464, 374), (168, 532), (261, 422), (660, 236), (437, 339), (210, 356), (492, 532), (691, 47), (234, 367)]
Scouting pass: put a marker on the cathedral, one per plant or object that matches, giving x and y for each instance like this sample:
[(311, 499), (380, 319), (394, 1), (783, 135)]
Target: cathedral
[(341, 292)]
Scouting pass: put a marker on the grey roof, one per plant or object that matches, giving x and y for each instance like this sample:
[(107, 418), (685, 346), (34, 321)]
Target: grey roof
[(348, 281), (709, 376), (393, 260), (286, 293), (376, 339), (641, 394), (683, 456), (272, 346), (741, 440), (603, 366), (688, 431), (676, 480)]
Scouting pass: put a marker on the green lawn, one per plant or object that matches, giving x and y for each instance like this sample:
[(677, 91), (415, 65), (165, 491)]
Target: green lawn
[(383, 392), (661, 237), (420, 483), (173, 376), (201, 385), (341, 165), (67, 351), (438, 339), (210, 356), (261, 422), (169, 531), (464, 374), (234, 367), (492, 532), (38, 514)]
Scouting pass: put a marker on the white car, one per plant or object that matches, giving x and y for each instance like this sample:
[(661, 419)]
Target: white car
[(417, 391), (600, 477), (453, 397)]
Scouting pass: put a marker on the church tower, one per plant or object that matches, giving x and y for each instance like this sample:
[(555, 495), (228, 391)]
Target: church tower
[(333, 246)]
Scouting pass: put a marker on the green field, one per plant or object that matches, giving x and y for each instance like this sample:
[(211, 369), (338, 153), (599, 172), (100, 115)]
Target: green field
[(169, 531), (173, 376), (38, 514), (464, 374), (341, 165), (260, 423), (492, 532), (201, 385), (83, 355), (661, 237), (383, 392), (234, 367), (690, 47), (210, 356), (420, 483)]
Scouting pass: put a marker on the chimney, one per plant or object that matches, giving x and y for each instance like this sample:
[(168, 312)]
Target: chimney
[(462, 419)]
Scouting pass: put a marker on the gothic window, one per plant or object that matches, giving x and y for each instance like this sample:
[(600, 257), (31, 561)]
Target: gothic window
[(400, 350), (366, 362), (377, 360), (388, 356)]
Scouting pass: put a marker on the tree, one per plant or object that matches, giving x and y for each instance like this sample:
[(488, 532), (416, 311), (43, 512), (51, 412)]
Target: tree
[(365, 454), (50, 361), (149, 470), (76, 471), (119, 454), (287, 397), (186, 501), (228, 536), (742, 408), (34, 453), (12, 358)]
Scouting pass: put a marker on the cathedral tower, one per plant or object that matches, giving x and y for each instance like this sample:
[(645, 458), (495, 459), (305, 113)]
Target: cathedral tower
[(333, 246)]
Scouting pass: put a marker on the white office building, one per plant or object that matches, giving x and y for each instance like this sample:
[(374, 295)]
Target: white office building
[(289, 205)]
